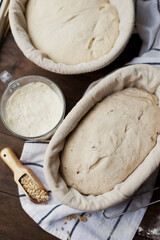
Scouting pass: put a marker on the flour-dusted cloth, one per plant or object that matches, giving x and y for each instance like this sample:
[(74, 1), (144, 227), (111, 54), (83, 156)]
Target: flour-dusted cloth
[(51, 217)]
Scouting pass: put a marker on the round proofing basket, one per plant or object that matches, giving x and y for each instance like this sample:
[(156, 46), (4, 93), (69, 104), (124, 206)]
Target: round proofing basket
[(139, 76), (18, 25)]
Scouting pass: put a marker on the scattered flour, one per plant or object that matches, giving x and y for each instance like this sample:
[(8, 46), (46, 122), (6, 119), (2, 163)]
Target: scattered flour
[(140, 229), (154, 231)]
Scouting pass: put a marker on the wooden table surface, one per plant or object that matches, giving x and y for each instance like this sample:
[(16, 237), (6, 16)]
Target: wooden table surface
[(15, 224)]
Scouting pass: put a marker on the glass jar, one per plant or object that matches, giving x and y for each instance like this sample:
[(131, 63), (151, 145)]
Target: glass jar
[(14, 85)]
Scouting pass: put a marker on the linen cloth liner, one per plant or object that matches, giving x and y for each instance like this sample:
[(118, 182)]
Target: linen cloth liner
[(19, 30)]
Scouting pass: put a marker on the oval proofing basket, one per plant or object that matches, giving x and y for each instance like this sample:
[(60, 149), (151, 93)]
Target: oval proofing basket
[(139, 76), (18, 25)]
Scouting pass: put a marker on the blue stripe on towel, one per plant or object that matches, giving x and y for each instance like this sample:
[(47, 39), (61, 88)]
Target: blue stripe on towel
[(45, 142), (155, 49), (154, 63), (22, 195), (129, 64), (118, 220), (34, 164), (49, 213), (75, 225)]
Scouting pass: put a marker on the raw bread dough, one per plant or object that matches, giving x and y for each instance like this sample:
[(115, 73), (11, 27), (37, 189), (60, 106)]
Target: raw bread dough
[(72, 31), (111, 141)]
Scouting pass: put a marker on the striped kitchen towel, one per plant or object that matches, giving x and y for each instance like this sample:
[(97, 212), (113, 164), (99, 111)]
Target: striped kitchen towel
[(67, 223), (53, 217)]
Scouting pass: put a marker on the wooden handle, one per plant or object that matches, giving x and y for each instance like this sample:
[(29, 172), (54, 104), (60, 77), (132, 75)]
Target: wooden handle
[(11, 159)]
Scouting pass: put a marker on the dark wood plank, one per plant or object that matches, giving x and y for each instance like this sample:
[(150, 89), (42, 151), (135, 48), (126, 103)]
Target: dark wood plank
[(15, 224), (19, 225), (150, 225)]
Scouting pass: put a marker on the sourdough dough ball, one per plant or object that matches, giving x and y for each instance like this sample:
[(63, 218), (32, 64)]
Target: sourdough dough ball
[(72, 31), (111, 141)]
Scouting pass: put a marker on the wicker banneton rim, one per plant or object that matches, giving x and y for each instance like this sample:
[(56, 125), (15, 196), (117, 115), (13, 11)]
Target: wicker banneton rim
[(19, 30)]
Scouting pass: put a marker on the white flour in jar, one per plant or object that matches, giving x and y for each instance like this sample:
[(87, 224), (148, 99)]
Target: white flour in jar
[(33, 109)]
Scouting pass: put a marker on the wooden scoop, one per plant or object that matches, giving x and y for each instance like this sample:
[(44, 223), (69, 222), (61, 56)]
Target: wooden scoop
[(24, 177)]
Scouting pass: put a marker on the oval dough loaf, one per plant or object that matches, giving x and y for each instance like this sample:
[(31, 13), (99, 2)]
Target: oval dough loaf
[(72, 31), (111, 141)]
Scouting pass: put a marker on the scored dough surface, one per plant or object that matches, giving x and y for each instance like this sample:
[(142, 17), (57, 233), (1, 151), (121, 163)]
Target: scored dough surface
[(111, 141), (72, 31)]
